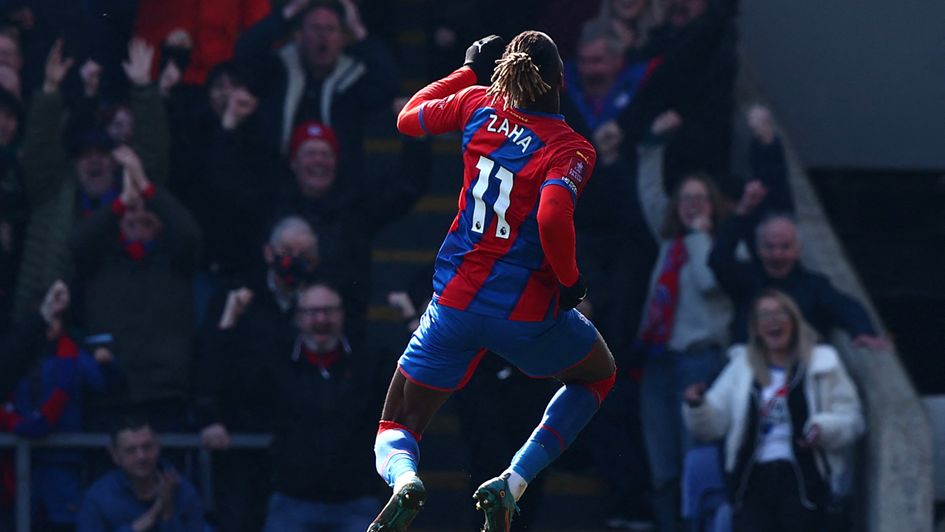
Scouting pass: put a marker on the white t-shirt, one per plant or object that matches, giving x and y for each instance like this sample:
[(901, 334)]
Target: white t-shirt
[(775, 420)]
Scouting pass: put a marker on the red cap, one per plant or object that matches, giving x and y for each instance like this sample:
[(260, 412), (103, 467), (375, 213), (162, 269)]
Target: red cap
[(313, 130)]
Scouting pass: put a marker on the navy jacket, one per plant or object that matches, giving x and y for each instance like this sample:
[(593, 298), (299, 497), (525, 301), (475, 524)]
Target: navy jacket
[(111, 505), (822, 305)]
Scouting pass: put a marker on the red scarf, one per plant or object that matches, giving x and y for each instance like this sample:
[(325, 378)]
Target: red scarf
[(136, 249), (322, 361), (661, 310)]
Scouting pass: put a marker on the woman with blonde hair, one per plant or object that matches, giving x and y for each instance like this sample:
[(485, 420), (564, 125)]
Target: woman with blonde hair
[(788, 411)]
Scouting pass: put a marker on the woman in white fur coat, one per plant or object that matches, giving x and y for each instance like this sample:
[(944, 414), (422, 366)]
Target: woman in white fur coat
[(788, 411)]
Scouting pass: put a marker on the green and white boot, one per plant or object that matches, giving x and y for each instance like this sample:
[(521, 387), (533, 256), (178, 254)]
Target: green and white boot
[(401, 509), (496, 501)]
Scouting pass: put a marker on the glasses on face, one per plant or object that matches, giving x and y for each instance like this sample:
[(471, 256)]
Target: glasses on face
[(771, 315), (316, 311)]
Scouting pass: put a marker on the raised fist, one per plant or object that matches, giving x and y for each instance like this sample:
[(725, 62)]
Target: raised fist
[(237, 301), (482, 55)]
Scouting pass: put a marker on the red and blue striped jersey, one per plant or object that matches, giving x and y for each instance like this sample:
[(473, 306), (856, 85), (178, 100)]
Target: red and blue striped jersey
[(491, 261)]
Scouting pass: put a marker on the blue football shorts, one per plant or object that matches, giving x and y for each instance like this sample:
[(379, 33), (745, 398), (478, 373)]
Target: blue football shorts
[(446, 348)]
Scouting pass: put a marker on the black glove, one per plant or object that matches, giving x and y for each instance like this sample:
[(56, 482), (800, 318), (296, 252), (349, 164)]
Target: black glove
[(482, 55), (571, 296)]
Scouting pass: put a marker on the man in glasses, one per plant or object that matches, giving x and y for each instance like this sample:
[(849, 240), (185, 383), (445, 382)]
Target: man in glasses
[(324, 394)]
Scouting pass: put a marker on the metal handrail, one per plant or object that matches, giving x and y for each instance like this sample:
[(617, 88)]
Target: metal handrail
[(23, 451)]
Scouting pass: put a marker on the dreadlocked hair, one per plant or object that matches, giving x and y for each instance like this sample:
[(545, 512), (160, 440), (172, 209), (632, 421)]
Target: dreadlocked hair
[(518, 74)]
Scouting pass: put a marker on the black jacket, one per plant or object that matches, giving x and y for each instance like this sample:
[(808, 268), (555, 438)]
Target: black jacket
[(324, 423), (146, 305), (814, 489), (696, 77), (228, 361), (822, 305)]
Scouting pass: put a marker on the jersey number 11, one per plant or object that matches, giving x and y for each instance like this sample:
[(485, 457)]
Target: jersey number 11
[(505, 177)]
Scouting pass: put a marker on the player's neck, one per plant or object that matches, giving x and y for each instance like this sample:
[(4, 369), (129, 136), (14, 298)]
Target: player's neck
[(546, 103)]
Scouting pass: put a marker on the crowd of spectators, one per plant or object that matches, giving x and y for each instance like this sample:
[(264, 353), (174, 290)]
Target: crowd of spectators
[(195, 173)]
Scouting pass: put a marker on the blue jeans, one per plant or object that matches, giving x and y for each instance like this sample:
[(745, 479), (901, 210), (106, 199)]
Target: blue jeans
[(665, 377), (288, 514)]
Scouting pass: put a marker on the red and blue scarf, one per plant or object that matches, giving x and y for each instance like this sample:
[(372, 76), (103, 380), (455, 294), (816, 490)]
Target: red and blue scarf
[(661, 310)]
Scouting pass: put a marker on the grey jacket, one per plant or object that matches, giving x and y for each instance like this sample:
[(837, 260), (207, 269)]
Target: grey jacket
[(703, 311)]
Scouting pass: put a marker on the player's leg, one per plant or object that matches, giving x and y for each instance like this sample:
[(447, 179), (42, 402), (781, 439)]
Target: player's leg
[(437, 361), (408, 409), (585, 385)]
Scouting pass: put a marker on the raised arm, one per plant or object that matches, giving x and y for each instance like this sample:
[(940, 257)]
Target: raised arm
[(650, 175), (44, 160), (152, 135), (435, 109), (417, 118)]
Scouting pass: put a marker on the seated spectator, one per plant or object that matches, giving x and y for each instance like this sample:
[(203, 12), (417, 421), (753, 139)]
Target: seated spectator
[(599, 84), (778, 267), (332, 72), (144, 493), (346, 222), (50, 399), (61, 191), (684, 327), (24, 344), (247, 320), (788, 411), (136, 259)]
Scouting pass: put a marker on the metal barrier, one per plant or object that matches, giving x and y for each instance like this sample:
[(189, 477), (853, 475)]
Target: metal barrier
[(23, 448)]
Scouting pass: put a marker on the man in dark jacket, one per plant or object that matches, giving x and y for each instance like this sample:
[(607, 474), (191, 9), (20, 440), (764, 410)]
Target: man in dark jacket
[(136, 259), (778, 267), (316, 77), (694, 62), (61, 191), (318, 391), (325, 394), (244, 323)]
